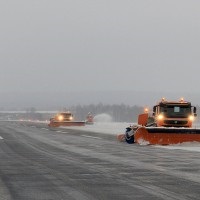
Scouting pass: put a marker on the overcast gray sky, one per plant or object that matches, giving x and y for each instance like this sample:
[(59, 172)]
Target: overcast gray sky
[(81, 47)]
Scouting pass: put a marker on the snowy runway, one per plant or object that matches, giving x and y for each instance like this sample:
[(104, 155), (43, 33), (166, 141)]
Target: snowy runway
[(115, 128)]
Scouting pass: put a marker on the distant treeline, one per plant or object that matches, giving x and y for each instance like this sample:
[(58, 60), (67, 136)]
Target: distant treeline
[(119, 113)]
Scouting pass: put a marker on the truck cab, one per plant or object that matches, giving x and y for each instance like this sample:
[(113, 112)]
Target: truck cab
[(174, 113), (63, 116)]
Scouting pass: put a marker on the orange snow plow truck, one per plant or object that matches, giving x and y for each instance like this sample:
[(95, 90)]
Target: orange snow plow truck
[(89, 119), (64, 119), (170, 123)]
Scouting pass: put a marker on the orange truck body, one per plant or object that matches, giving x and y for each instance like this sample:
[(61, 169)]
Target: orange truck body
[(89, 119), (170, 123), (64, 119)]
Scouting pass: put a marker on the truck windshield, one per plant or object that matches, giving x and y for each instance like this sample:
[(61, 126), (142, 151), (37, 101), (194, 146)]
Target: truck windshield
[(176, 111), (67, 114)]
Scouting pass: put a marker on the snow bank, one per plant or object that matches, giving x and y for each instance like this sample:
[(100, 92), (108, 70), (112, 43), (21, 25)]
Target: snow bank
[(103, 127), (188, 146)]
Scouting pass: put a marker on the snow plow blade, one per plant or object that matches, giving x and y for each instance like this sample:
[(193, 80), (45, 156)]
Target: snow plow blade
[(166, 136), (67, 123)]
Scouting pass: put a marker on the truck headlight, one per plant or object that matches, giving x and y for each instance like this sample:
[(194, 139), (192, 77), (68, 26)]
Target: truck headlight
[(160, 117), (60, 117), (70, 118), (191, 118)]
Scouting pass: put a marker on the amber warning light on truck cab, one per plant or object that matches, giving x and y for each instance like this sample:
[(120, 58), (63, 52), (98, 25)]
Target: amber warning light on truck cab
[(181, 99)]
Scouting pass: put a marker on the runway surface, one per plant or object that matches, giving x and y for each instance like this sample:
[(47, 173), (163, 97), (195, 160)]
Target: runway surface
[(42, 163)]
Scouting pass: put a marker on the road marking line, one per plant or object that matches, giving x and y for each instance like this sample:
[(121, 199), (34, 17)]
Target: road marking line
[(45, 129), (88, 136), (61, 132), (1, 138)]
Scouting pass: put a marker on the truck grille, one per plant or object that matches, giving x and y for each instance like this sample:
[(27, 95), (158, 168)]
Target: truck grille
[(175, 122)]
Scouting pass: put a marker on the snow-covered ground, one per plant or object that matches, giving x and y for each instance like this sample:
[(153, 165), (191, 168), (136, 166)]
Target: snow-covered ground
[(103, 127), (116, 128), (188, 146)]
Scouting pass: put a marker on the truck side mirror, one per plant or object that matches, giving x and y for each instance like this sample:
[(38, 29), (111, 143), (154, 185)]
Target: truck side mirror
[(154, 109), (195, 110)]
